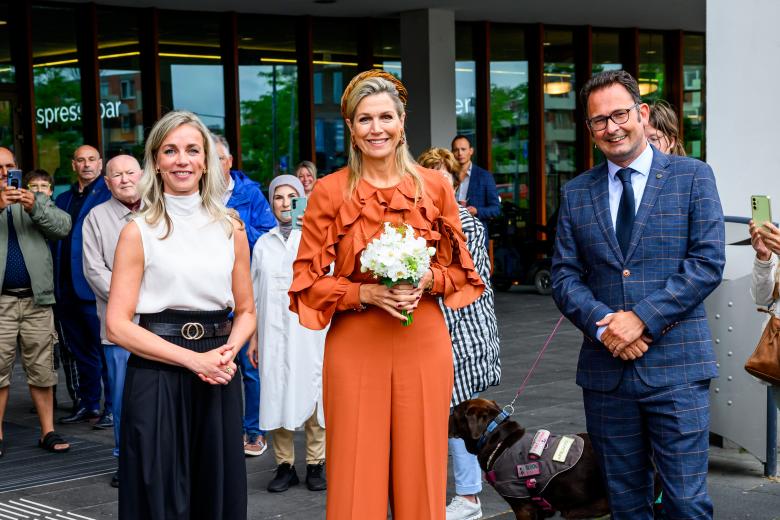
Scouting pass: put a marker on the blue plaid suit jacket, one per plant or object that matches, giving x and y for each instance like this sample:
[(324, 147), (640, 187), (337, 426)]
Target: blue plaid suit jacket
[(675, 259)]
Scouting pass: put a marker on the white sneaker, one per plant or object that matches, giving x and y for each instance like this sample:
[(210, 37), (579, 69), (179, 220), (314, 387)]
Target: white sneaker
[(462, 509)]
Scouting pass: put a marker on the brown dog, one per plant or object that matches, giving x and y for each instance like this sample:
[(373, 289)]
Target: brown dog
[(576, 493)]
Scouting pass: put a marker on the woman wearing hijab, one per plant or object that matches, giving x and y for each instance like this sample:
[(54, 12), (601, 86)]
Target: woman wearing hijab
[(289, 355)]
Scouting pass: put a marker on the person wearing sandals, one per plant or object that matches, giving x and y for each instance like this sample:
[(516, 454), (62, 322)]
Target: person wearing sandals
[(27, 221), (182, 266), (288, 354)]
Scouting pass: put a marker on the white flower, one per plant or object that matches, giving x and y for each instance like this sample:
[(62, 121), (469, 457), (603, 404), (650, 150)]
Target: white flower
[(397, 255)]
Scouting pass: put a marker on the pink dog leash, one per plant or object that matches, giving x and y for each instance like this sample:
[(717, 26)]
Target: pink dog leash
[(510, 406)]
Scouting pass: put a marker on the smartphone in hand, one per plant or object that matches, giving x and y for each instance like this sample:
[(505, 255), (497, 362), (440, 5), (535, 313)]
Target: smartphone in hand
[(761, 210), (298, 207), (15, 178)]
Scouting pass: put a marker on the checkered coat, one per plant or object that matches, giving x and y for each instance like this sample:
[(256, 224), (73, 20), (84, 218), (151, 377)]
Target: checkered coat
[(675, 259), (474, 331)]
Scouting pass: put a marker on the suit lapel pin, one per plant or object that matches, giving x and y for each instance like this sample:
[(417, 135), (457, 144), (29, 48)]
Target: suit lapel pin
[(659, 175)]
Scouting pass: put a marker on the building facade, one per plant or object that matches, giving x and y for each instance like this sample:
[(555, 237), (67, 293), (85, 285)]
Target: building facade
[(73, 73)]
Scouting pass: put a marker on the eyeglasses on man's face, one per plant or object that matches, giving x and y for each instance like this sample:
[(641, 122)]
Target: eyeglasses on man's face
[(619, 117)]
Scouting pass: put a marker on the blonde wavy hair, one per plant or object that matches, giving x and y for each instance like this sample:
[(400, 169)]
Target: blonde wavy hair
[(212, 183), (366, 84), (435, 158)]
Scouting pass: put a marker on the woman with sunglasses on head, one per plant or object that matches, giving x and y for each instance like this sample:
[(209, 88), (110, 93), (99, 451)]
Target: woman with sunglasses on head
[(182, 265), (384, 384)]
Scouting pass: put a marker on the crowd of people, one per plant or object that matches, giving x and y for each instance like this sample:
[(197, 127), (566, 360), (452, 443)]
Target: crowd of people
[(202, 322)]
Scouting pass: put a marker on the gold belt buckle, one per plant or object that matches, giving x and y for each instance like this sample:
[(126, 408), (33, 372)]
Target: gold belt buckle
[(193, 331)]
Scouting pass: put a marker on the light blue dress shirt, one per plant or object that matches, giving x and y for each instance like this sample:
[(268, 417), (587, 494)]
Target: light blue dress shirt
[(641, 167)]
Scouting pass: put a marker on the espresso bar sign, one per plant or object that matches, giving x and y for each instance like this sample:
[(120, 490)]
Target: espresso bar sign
[(51, 115)]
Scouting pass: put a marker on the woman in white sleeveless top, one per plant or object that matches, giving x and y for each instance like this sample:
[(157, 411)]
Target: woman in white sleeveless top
[(181, 266)]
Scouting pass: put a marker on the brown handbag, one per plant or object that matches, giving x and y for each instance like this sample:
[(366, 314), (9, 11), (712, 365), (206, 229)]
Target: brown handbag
[(764, 363)]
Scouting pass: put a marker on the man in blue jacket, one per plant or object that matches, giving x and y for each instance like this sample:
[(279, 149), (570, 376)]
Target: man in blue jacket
[(640, 245), (75, 307), (244, 195), (477, 189)]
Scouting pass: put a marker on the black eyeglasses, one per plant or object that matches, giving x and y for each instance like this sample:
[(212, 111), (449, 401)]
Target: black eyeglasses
[(619, 117)]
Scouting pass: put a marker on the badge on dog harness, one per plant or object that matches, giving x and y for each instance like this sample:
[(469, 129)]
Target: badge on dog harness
[(528, 470), (564, 445), (538, 444)]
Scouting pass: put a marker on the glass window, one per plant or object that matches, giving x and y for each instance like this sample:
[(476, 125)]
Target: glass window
[(57, 89), (693, 95), (387, 45), (559, 114), (509, 115), (606, 51), (268, 94), (6, 66), (335, 64), (606, 56), (121, 103), (465, 83), (651, 66), (191, 66)]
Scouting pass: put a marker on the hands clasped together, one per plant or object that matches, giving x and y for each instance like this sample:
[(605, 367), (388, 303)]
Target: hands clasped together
[(624, 335), (215, 367), (393, 300), (11, 195)]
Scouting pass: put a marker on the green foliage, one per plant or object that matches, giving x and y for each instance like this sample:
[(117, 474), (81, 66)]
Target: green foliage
[(58, 87), (261, 159)]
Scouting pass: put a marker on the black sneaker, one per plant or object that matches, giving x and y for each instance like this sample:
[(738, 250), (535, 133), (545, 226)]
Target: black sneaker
[(285, 477), (115, 480), (79, 416), (106, 421), (315, 477)]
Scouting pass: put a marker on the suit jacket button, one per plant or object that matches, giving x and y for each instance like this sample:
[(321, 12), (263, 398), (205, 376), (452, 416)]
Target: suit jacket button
[(626, 273)]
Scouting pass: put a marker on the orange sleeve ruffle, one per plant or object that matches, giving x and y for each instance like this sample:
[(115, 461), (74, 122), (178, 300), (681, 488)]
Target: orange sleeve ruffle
[(315, 297), (454, 276)]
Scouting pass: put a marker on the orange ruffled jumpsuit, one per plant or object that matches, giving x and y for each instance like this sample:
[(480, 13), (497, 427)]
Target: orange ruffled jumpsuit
[(386, 387)]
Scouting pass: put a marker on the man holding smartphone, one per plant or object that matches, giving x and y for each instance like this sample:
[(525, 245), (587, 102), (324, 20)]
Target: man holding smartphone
[(27, 221)]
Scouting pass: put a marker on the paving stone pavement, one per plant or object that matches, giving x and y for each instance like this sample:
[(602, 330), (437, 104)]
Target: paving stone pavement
[(551, 400)]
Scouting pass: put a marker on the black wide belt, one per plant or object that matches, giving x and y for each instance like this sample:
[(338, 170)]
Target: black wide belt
[(18, 293), (192, 330)]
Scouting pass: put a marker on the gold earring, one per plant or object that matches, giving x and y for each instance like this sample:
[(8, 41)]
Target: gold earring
[(205, 171), (403, 139)]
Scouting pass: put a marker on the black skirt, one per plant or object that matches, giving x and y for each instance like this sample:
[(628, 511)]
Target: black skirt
[(181, 444)]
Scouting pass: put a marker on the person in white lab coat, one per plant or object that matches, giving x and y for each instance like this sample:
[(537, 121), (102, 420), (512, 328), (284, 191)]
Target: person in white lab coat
[(289, 355)]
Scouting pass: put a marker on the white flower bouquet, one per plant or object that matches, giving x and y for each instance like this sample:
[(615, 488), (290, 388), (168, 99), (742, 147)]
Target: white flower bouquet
[(396, 257)]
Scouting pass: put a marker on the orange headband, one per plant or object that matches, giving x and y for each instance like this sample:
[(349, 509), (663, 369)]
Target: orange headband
[(374, 73)]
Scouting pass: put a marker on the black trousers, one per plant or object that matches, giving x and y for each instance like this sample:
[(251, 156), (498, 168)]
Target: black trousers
[(181, 446)]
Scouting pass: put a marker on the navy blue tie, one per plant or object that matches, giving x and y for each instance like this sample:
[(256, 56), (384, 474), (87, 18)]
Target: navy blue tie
[(625, 215)]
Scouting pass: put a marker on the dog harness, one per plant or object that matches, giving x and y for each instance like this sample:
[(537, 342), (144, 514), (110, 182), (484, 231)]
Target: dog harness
[(517, 475)]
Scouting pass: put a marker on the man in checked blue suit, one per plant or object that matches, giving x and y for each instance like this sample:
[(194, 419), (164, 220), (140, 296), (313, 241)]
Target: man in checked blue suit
[(640, 245)]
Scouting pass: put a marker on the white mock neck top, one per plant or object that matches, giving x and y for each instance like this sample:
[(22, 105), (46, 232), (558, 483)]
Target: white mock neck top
[(191, 269)]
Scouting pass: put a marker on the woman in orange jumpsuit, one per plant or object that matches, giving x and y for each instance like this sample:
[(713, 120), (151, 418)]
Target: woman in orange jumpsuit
[(386, 387)]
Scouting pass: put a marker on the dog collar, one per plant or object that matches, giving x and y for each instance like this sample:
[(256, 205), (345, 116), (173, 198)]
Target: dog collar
[(491, 427)]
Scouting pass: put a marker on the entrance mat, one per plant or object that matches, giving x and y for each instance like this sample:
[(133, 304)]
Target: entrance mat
[(25, 465)]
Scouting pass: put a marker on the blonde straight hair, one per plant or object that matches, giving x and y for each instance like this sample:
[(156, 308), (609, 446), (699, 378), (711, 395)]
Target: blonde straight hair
[(212, 183), (404, 161)]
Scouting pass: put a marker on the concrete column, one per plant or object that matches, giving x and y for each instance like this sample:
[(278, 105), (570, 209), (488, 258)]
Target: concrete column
[(743, 118), (428, 60)]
